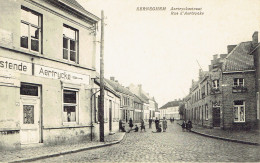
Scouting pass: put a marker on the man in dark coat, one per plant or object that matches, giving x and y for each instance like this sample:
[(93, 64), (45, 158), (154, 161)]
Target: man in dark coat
[(150, 122), (156, 123)]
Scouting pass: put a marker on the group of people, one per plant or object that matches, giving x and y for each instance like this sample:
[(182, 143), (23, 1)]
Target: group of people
[(131, 125), (158, 126), (186, 126), (171, 119)]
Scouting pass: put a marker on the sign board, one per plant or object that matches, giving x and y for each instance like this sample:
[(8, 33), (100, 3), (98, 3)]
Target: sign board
[(7, 64), (63, 75)]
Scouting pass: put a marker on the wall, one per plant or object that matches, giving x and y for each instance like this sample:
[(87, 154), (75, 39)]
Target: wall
[(249, 97)]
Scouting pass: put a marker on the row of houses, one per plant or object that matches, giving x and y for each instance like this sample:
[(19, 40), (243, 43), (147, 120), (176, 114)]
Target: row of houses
[(226, 96), (49, 87)]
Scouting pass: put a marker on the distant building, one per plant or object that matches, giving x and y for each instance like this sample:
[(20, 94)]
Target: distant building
[(170, 110), (225, 95), (127, 99), (112, 112)]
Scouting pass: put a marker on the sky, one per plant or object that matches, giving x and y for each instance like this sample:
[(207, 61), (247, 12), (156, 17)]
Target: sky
[(164, 52)]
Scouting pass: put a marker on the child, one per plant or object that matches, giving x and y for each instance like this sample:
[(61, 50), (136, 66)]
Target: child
[(183, 125), (136, 128)]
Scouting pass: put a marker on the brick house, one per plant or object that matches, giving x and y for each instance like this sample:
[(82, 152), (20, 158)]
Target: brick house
[(256, 53), (47, 60), (225, 95)]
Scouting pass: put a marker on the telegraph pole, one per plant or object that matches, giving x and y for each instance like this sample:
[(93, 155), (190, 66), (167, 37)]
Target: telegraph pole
[(101, 108)]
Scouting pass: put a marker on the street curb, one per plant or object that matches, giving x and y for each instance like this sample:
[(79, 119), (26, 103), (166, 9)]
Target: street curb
[(225, 139), (70, 151)]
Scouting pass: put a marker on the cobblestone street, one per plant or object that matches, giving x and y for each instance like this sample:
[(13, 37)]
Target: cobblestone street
[(173, 145)]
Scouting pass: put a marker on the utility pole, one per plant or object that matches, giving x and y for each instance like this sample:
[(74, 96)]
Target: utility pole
[(101, 108)]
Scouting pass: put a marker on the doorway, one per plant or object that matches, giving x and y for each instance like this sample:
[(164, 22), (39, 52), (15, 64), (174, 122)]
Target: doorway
[(30, 114), (216, 116)]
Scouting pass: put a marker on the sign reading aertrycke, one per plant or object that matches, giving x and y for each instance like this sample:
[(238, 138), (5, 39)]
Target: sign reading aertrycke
[(15, 65), (63, 75)]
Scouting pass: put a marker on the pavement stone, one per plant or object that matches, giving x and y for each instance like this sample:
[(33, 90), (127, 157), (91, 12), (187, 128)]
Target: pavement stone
[(249, 137), (26, 154), (170, 146)]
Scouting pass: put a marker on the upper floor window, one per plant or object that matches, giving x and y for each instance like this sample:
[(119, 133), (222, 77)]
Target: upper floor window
[(70, 43), (30, 30), (238, 82), (215, 84)]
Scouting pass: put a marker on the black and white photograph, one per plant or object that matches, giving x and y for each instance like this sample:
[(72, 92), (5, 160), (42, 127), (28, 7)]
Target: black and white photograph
[(129, 81)]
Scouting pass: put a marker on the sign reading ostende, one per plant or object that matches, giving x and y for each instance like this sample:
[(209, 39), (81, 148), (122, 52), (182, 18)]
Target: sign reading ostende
[(15, 65), (63, 75)]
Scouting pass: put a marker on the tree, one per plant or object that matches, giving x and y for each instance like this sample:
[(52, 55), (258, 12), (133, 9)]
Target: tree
[(182, 110)]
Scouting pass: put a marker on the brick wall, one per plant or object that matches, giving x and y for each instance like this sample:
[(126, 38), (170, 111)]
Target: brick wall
[(249, 97)]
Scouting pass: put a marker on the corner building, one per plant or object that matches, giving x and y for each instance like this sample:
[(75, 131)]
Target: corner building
[(47, 61)]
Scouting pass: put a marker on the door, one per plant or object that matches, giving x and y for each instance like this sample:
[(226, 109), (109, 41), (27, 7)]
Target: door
[(30, 119), (216, 117)]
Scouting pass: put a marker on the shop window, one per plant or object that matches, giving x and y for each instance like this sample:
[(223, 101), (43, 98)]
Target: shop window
[(239, 111), (70, 43), (70, 105), (30, 30)]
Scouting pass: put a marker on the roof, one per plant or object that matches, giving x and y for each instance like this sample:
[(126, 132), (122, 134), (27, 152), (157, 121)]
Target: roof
[(119, 88), (170, 104), (76, 8), (137, 99), (239, 59), (108, 87)]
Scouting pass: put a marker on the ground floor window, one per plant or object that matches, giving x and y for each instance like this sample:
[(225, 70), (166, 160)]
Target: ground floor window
[(70, 105), (207, 112), (239, 111)]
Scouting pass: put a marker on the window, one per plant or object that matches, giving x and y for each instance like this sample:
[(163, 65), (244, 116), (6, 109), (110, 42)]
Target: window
[(239, 111), (70, 43), (239, 85), (238, 82), (203, 92), (29, 90), (30, 30), (70, 105), (215, 84), (207, 111)]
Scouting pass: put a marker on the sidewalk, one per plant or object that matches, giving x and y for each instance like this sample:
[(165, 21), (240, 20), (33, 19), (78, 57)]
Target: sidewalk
[(35, 153), (246, 137)]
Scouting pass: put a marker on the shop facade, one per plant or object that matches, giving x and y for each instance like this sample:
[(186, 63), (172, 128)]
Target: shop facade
[(46, 71)]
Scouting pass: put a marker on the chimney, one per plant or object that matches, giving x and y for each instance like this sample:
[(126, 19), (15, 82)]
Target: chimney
[(222, 56), (230, 48), (139, 89), (255, 38), (215, 57), (112, 78)]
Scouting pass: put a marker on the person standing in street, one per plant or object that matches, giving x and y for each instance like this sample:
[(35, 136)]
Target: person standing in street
[(142, 125), (150, 122), (130, 124), (156, 123), (183, 125), (164, 123), (189, 125)]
